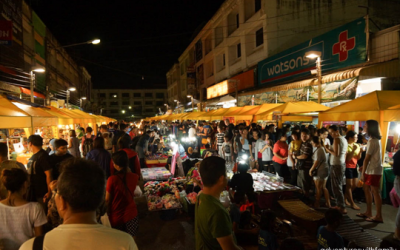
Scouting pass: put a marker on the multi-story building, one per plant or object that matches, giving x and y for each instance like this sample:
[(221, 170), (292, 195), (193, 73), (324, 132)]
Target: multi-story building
[(33, 46), (244, 32), (129, 104)]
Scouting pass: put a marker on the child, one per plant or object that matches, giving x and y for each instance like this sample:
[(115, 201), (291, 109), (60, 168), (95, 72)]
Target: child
[(241, 221), (327, 237), (227, 150), (267, 239)]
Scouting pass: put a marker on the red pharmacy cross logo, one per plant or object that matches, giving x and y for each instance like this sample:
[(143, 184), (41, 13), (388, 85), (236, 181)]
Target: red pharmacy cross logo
[(344, 46)]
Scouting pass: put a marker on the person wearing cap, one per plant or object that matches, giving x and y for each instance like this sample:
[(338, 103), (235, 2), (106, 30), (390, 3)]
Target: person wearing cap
[(39, 170)]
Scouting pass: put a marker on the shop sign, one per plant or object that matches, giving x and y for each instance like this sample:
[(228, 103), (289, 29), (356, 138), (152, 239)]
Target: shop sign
[(335, 91), (6, 32), (242, 81), (342, 47)]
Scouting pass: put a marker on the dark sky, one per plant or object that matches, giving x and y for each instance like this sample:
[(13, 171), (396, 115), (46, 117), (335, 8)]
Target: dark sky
[(138, 37)]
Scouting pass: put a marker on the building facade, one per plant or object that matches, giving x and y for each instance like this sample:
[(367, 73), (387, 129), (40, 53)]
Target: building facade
[(33, 46), (130, 104), (242, 33)]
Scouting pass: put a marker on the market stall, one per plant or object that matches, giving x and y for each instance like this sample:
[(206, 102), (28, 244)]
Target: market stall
[(15, 128), (248, 115), (194, 115), (292, 112), (381, 106), (43, 123)]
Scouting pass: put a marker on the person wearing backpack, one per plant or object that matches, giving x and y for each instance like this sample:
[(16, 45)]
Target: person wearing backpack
[(100, 155), (87, 141)]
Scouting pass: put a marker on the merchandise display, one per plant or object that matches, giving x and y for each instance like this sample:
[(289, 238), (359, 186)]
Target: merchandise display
[(153, 174), (267, 182), (164, 195)]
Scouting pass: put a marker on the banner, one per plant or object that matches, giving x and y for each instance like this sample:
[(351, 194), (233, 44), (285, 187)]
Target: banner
[(335, 91), (293, 95), (6, 32), (267, 97), (342, 47), (12, 55)]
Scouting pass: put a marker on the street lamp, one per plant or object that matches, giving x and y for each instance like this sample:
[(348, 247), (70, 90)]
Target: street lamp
[(36, 69), (123, 111), (130, 107), (94, 41), (81, 100), (317, 55), (71, 89), (190, 96), (177, 104)]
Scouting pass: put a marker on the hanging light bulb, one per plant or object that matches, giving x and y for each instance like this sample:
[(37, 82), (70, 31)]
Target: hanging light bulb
[(142, 77)]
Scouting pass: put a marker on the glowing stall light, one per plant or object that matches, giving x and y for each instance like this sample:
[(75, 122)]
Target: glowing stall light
[(398, 128), (59, 126)]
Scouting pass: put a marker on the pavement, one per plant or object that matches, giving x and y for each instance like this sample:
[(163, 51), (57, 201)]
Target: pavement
[(156, 233)]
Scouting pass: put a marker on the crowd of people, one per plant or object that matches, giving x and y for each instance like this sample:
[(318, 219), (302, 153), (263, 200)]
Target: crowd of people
[(84, 187)]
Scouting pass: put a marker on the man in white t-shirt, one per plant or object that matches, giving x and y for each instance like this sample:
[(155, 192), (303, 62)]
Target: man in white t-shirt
[(192, 131), (80, 191)]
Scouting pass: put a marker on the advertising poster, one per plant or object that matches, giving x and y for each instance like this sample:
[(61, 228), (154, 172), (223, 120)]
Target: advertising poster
[(293, 95), (267, 97), (335, 91)]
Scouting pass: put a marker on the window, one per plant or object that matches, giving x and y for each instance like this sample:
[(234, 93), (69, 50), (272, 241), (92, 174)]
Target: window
[(149, 110), (257, 4), (160, 95), (239, 50), (125, 103), (149, 103), (114, 103), (114, 111), (113, 95), (259, 37), (223, 60), (102, 95), (159, 104), (125, 95), (148, 95), (137, 103), (137, 95), (237, 20)]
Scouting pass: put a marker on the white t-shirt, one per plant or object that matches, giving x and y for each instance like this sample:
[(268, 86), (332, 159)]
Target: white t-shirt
[(17, 223), (375, 151), (83, 237), (192, 132)]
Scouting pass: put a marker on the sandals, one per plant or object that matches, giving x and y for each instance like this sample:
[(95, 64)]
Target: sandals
[(373, 220), (362, 215)]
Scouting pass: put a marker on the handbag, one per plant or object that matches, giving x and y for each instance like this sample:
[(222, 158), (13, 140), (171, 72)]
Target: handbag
[(315, 171)]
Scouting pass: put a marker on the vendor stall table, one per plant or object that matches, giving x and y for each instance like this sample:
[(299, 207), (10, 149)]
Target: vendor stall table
[(157, 173), (156, 163), (24, 158)]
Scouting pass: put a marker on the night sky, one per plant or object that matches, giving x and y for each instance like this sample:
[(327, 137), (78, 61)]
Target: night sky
[(138, 37)]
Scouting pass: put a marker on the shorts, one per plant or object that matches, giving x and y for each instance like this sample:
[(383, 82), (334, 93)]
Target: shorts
[(130, 227), (372, 180), (351, 173)]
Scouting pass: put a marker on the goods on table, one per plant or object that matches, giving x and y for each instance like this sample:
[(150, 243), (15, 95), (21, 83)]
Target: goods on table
[(160, 173), (156, 159), (164, 195), (192, 197), (269, 182)]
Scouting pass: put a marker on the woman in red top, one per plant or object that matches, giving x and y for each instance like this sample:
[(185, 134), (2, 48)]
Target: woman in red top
[(280, 155), (121, 186)]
